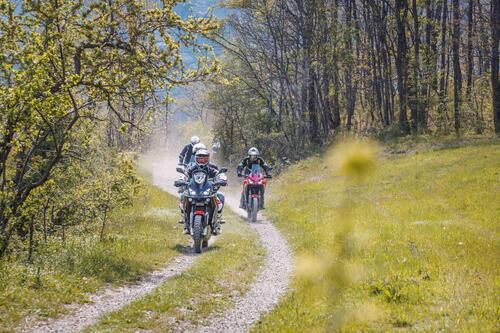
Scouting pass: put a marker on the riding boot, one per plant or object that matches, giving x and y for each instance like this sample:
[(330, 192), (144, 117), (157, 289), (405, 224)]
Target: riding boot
[(242, 201), (216, 230), (186, 227)]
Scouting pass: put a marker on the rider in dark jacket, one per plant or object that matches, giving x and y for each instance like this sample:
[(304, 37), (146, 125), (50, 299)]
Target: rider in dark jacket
[(210, 169), (246, 165), (202, 163), (187, 151)]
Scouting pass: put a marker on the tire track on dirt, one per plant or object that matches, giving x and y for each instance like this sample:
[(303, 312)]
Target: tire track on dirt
[(114, 299), (269, 285)]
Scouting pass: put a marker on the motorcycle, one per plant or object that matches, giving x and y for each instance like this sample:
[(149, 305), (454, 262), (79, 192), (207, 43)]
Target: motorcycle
[(253, 191), (201, 204)]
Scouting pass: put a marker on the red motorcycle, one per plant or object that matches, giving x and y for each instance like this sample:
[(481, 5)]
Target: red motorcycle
[(253, 191)]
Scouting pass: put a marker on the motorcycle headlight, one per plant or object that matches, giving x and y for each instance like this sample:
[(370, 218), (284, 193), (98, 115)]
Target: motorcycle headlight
[(199, 177), (192, 192), (207, 192), (250, 181)]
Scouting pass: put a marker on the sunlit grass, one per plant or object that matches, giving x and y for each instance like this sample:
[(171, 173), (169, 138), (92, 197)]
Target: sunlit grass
[(140, 238), (195, 296), (417, 240)]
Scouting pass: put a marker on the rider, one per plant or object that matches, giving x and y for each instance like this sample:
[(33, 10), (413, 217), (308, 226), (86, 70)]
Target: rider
[(246, 165), (187, 151), (202, 163), (192, 162)]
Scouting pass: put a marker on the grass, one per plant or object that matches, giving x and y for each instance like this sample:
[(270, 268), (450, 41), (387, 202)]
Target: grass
[(193, 297), (140, 238), (414, 247)]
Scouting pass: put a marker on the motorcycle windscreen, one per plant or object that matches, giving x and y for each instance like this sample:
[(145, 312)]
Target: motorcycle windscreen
[(256, 169), (199, 189)]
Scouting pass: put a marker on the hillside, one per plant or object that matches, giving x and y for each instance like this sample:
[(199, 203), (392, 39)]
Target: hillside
[(413, 246)]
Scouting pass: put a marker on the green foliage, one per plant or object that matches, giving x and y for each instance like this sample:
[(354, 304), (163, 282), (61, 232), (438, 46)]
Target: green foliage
[(141, 237), (372, 67), (414, 246), (67, 65)]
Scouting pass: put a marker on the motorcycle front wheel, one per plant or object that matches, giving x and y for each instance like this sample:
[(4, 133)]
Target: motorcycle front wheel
[(255, 208), (198, 233), (249, 210)]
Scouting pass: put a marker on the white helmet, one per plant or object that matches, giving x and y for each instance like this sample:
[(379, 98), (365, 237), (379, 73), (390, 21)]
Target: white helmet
[(198, 146), (202, 157), (195, 140), (253, 153)]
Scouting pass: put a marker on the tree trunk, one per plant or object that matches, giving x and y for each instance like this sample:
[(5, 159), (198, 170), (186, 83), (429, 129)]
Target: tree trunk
[(495, 40), (45, 222), (442, 70), (31, 232), (335, 75), (470, 62), (401, 63), (415, 96), (457, 72), (350, 93)]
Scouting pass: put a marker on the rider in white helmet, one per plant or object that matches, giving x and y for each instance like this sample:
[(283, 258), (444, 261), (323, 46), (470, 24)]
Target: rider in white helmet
[(246, 165), (187, 151), (202, 161), (196, 147)]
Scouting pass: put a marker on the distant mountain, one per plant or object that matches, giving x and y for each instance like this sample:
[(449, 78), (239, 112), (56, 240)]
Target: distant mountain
[(200, 8), (196, 8)]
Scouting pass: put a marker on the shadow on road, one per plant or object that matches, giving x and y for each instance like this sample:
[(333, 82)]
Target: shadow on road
[(188, 250)]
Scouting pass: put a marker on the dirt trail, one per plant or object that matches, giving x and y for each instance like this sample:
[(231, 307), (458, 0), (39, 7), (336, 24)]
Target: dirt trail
[(269, 285), (271, 282), (112, 299)]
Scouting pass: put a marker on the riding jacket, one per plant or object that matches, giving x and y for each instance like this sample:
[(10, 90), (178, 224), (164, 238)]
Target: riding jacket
[(247, 163), (186, 153)]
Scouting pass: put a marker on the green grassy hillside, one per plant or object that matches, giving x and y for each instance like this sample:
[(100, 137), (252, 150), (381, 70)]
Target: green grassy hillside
[(140, 238), (415, 246)]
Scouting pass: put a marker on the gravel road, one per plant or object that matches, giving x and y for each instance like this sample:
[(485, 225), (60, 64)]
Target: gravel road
[(264, 293), (269, 285)]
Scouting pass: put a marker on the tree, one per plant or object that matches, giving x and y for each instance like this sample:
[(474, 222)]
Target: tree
[(495, 81), (65, 61), (457, 71), (314, 68), (401, 12)]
